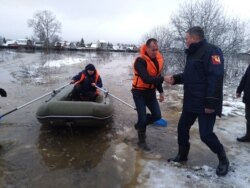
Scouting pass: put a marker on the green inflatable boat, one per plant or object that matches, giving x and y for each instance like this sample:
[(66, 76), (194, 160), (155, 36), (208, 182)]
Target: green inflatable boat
[(60, 110)]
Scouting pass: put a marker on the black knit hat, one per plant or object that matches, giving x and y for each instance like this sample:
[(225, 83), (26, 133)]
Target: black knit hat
[(90, 67)]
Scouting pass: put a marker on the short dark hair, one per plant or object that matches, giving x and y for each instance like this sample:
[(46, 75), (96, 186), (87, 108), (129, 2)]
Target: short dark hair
[(197, 31), (150, 40)]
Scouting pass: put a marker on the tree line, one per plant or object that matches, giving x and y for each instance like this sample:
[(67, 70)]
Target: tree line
[(229, 33)]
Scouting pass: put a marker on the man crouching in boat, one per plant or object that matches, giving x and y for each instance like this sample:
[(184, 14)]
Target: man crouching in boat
[(85, 82)]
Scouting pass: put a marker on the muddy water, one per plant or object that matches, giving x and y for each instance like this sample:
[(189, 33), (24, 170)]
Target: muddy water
[(42, 156)]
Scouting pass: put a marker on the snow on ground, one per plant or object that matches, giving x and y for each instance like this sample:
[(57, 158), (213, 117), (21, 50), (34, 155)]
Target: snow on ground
[(233, 108), (158, 173), (161, 174), (63, 62)]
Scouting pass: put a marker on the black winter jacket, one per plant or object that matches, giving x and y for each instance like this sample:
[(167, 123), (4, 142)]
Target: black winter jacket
[(202, 78), (245, 86)]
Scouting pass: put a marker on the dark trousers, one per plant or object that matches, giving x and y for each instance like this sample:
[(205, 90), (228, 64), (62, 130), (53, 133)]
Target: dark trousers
[(141, 102), (247, 115), (78, 93), (206, 124)]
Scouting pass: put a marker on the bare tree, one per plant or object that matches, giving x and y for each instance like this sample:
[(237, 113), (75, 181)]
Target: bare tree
[(163, 35), (45, 26), (229, 34), (82, 44), (167, 42)]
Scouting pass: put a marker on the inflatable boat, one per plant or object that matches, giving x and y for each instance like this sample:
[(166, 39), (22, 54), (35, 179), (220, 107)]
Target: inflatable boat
[(60, 110)]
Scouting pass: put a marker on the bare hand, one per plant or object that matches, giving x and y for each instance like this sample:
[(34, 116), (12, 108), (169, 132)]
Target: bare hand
[(93, 84), (161, 97), (169, 79), (209, 111), (238, 95), (72, 81)]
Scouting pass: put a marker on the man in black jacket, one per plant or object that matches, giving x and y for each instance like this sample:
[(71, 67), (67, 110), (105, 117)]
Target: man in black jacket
[(245, 86), (203, 85)]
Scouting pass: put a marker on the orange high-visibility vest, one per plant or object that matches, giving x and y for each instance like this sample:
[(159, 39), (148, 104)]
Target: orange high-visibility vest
[(83, 76), (151, 68)]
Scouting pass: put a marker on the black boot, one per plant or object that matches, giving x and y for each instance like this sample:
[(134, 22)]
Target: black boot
[(222, 168), (182, 155), (245, 138), (142, 141)]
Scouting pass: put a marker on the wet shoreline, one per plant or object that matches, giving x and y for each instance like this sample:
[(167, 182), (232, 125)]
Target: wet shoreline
[(38, 156)]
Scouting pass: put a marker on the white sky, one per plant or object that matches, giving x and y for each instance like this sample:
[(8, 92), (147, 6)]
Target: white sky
[(111, 20)]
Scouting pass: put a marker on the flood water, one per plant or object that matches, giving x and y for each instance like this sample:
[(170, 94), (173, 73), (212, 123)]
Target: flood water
[(35, 155), (43, 156)]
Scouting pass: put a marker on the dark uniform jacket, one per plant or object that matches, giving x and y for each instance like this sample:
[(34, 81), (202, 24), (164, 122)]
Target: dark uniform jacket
[(202, 78), (245, 86)]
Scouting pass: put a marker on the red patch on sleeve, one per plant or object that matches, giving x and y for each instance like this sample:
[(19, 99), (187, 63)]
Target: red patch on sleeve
[(216, 60)]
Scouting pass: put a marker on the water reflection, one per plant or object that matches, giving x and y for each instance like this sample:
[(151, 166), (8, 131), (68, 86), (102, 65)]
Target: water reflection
[(33, 68), (67, 147)]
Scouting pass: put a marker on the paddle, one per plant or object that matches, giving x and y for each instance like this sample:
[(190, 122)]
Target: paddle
[(34, 100), (3, 92), (161, 122)]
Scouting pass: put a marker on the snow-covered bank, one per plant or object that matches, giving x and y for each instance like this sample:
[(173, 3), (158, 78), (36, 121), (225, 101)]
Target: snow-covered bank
[(161, 174), (233, 108)]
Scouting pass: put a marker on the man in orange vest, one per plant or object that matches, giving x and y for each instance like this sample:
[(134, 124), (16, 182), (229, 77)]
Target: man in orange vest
[(146, 79), (85, 82)]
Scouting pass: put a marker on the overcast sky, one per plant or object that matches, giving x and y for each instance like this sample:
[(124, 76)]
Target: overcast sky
[(111, 20)]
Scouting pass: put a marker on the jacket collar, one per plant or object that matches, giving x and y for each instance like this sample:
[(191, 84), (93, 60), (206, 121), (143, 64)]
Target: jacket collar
[(195, 46)]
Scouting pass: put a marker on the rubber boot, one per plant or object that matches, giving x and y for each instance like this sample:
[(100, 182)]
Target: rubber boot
[(148, 121), (245, 138), (182, 155), (222, 168), (142, 141)]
